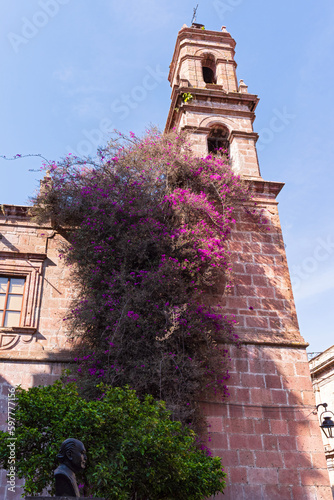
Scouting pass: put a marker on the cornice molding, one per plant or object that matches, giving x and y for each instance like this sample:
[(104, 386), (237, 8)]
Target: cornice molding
[(38, 257), (325, 366), (226, 98), (21, 211), (260, 186)]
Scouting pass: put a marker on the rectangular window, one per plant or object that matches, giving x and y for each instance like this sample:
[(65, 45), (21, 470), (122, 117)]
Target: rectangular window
[(11, 300)]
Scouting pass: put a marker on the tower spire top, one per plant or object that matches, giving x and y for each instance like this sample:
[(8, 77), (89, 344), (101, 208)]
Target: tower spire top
[(194, 18)]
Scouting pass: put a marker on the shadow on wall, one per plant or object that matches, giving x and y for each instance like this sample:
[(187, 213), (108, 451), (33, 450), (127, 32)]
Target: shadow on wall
[(27, 374), (6, 405), (267, 433)]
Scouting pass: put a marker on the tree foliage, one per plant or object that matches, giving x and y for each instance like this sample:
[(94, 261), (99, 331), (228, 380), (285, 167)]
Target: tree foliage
[(147, 225), (135, 451)]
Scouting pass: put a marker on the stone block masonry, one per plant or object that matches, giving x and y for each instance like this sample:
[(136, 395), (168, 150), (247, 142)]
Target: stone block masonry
[(266, 434), (261, 298)]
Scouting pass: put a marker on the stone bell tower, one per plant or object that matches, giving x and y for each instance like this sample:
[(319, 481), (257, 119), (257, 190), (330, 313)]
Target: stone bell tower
[(203, 66), (267, 432)]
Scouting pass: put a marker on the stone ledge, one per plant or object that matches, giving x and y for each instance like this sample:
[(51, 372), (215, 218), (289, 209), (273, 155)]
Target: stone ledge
[(15, 210)]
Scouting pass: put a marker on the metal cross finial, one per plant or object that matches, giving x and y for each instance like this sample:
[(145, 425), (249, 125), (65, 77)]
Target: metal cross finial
[(194, 15)]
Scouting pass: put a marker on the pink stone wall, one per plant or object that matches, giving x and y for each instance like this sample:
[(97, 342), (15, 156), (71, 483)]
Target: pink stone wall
[(27, 374), (261, 299), (267, 433), (32, 356), (20, 245)]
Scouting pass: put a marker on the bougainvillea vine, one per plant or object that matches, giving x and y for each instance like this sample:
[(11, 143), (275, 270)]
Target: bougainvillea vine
[(146, 224)]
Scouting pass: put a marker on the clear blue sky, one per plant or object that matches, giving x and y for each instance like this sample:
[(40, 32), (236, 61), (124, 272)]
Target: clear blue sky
[(68, 68)]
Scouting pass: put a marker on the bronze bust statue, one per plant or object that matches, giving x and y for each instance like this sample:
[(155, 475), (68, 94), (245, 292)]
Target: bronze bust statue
[(72, 458)]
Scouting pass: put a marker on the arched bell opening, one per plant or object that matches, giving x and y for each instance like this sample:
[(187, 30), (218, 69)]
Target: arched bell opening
[(209, 68), (218, 141)]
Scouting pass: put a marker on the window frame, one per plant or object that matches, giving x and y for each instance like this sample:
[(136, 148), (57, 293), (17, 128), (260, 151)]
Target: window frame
[(5, 308), (30, 267)]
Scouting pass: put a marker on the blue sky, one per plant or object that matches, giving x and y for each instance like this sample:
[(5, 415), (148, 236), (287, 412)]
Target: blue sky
[(72, 70)]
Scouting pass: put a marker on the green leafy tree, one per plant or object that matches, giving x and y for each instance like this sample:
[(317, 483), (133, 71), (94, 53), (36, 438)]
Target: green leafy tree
[(135, 451)]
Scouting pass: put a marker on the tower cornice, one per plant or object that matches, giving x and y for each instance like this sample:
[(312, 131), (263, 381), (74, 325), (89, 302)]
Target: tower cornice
[(212, 94), (266, 188)]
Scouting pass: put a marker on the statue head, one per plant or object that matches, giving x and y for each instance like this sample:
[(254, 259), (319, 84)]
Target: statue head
[(73, 454)]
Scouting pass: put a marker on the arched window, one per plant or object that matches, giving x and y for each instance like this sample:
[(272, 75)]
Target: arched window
[(218, 143), (209, 68)]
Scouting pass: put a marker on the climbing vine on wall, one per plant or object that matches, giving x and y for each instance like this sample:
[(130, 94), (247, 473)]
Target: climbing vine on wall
[(146, 224)]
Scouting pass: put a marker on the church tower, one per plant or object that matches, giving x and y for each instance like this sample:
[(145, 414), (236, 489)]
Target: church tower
[(207, 99), (267, 431)]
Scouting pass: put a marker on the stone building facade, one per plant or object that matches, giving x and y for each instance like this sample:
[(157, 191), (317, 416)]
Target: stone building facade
[(266, 432), (322, 373), (33, 345)]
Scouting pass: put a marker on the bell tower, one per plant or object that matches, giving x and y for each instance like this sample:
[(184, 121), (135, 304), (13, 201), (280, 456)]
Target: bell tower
[(267, 431), (207, 100)]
